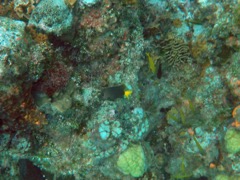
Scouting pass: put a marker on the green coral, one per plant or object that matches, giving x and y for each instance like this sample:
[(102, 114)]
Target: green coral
[(132, 161), (232, 141), (226, 177)]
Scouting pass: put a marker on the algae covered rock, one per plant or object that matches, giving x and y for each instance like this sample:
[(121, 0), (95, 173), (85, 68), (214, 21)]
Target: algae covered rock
[(132, 161), (232, 141), (52, 16), (11, 38), (21, 63)]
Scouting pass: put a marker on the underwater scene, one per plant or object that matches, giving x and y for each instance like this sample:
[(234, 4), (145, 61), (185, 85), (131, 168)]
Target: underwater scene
[(119, 89)]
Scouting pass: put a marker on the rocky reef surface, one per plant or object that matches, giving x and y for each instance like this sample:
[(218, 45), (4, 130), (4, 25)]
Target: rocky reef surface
[(122, 89)]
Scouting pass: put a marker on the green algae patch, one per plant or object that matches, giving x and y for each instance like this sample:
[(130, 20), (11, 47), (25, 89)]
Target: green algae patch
[(132, 161), (226, 177), (222, 177), (232, 141)]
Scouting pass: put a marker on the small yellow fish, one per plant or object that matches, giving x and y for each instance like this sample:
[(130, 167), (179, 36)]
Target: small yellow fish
[(127, 93), (151, 63)]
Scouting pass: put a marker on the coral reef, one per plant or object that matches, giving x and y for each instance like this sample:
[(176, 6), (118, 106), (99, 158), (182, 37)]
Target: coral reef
[(176, 52), (53, 79), (231, 141), (132, 161), (23, 8), (125, 89), (52, 17)]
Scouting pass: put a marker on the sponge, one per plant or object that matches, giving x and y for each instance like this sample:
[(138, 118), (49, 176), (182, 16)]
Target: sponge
[(132, 161)]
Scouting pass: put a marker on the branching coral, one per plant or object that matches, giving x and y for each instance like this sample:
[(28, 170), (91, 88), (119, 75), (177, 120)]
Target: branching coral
[(7, 9), (24, 8)]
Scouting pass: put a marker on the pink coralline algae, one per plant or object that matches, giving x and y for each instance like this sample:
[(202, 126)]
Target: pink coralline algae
[(92, 19), (54, 79)]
